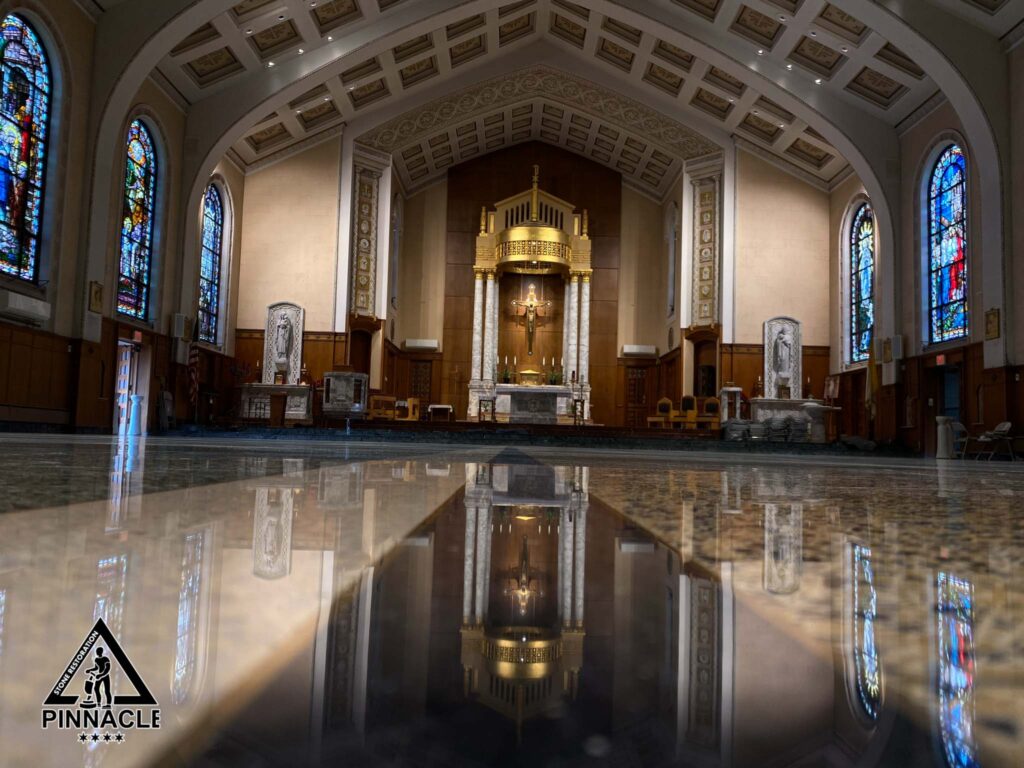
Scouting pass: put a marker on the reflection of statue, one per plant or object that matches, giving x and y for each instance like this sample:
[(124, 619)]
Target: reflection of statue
[(531, 309), (522, 587), (282, 342), (783, 353)]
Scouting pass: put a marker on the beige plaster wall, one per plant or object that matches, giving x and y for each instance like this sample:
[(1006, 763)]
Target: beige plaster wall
[(290, 238), (422, 266), (782, 252), (917, 146), (642, 271), (840, 204)]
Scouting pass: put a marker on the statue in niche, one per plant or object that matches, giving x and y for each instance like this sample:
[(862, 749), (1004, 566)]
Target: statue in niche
[(531, 309), (783, 353), (282, 342)]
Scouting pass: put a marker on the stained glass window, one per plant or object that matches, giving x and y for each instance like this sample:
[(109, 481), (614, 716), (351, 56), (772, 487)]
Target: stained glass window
[(24, 135), (862, 283), (186, 649), (139, 209), (867, 670), (947, 247), (956, 670), (209, 272)]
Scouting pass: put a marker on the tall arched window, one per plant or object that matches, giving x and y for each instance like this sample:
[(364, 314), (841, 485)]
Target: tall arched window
[(947, 247), (955, 607), (867, 671), (24, 139), (209, 271), (862, 283), (138, 212)]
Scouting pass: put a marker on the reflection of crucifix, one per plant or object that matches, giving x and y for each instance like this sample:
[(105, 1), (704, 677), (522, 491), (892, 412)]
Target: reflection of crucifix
[(531, 311)]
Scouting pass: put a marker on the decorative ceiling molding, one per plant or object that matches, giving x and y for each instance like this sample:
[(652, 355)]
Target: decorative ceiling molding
[(540, 82)]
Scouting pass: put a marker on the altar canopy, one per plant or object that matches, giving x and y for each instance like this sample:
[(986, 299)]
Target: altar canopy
[(531, 309)]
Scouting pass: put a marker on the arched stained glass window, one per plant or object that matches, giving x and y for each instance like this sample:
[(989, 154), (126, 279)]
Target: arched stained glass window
[(866, 667), (139, 209), (209, 272), (187, 646), (947, 247), (24, 138), (862, 283), (955, 606)]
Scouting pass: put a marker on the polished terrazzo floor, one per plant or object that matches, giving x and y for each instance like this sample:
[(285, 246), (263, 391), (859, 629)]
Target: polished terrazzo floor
[(291, 603)]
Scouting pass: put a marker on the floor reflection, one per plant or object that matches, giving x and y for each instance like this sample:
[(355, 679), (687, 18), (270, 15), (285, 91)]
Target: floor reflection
[(777, 625), (523, 608)]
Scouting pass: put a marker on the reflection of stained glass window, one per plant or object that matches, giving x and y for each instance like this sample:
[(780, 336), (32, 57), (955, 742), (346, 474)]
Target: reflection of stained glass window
[(138, 210), (209, 274), (862, 283), (947, 247), (24, 135), (867, 670), (111, 589), (188, 617), (956, 670)]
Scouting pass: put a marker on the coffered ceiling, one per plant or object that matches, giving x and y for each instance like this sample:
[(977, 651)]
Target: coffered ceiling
[(819, 44)]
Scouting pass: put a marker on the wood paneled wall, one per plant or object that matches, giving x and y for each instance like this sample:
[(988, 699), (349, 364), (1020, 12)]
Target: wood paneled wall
[(322, 352), (495, 177), (742, 364), (36, 370)]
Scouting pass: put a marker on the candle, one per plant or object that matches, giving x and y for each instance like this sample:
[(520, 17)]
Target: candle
[(543, 362), (515, 361)]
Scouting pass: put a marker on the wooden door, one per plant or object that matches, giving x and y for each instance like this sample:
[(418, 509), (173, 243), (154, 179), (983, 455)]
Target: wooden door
[(636, 396)]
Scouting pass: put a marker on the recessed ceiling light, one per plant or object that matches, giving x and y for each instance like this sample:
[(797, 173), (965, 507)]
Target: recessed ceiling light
[(327, 98), (844, 49), (732, 101), (756, 112), (302, 51), (817, 81), (760, 51), (280, 17), (298, 111), (249, 31), (330, 38), (781, 17), (789, 66), (813, 33), (782, 125), (270, 63)]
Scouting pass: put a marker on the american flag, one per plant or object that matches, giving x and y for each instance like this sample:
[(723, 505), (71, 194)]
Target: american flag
[(193, 369)]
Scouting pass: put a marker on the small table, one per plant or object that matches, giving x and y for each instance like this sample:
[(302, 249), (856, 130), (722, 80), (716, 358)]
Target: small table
[(439, 412)]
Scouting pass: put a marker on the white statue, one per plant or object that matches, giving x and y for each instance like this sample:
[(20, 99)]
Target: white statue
[(783, 353), (282, 342)]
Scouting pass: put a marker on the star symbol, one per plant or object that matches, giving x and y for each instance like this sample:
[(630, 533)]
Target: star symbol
[(107, 737), (95, 737), (119, 738), (83, 737)]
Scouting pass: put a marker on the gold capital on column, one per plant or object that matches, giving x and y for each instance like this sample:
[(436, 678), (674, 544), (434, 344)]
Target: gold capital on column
[(483, 220), (575, 277)]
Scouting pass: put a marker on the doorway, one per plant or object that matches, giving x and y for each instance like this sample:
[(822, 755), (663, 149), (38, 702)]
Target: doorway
[(125, 384)]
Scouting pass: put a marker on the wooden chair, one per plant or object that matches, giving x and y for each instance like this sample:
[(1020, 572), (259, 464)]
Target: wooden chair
[(412, 410), (382, 407), (663, 414), (686, 416), (711, 418)]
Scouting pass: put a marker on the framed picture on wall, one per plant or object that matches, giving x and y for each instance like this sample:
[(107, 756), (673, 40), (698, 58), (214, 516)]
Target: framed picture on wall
[(96, 297), (992, 330)]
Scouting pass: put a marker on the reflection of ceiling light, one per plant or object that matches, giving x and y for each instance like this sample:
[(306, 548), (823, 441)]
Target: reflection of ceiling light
[(526, 517)]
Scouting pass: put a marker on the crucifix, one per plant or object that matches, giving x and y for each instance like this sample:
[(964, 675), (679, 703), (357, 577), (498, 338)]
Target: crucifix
[(531, 309)]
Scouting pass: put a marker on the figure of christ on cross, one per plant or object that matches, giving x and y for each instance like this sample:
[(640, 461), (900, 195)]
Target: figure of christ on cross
[(530, 310)]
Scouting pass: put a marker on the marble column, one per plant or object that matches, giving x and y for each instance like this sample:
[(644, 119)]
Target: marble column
[(483, 540), (565, 328), (572, 361), (478, 325), (490, 330), (584, 340), (580, 558), (467, 574), (565, 533)]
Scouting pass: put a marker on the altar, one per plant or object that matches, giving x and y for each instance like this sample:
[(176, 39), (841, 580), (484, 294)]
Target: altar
[(533, 404), (530, 358)]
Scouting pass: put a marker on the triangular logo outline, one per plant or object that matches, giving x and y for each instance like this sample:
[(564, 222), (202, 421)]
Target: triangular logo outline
[(100, 631)]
